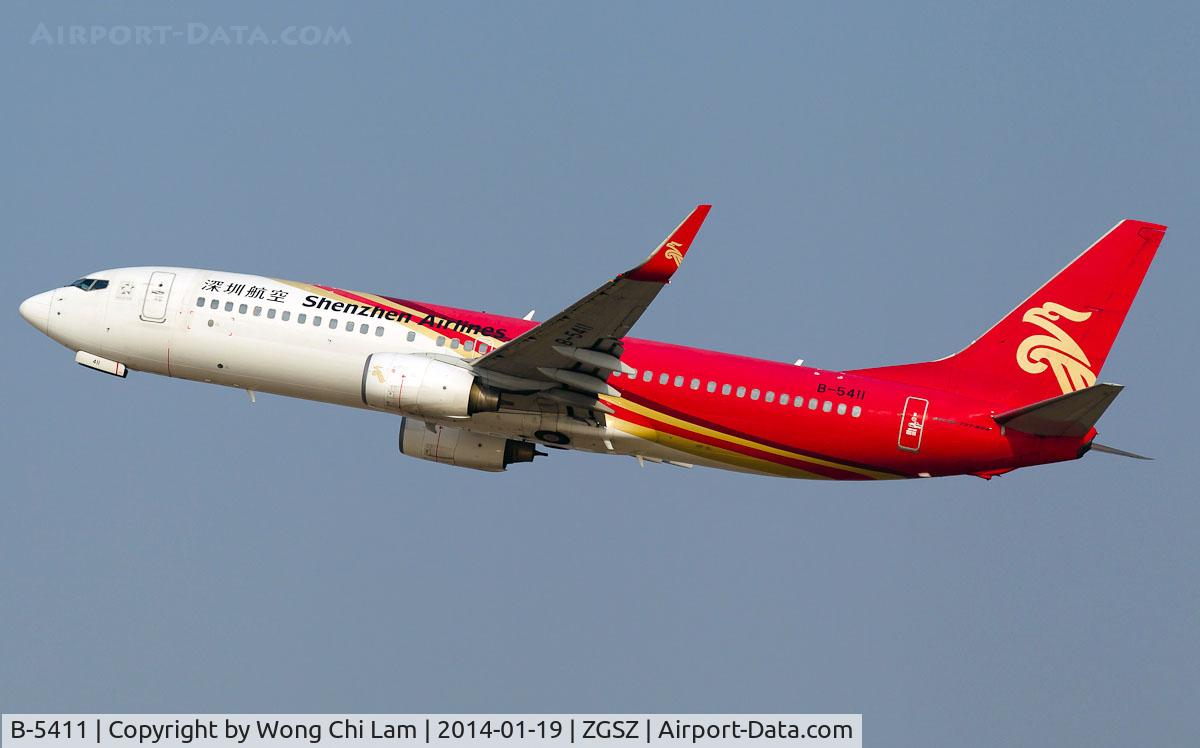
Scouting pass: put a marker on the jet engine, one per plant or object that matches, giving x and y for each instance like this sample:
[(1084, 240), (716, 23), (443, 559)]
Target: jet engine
[(424, 386), (462, 448)]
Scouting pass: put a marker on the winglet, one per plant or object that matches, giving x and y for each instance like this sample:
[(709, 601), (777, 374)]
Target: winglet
[(664, 261)]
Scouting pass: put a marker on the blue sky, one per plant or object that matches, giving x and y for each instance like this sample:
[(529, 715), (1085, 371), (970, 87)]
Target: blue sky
[(887, 181)]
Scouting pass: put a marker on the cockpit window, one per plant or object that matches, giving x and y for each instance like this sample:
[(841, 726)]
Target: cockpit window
[(90, 284)]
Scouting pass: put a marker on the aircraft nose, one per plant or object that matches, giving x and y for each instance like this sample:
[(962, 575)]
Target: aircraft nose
[(36, 310)]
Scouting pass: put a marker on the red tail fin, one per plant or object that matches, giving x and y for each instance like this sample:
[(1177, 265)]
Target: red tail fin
[(1055, 341)]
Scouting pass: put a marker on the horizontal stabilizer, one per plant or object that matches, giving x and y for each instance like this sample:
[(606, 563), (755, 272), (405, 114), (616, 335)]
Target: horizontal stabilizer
[(1119, 452), (1072, 414)]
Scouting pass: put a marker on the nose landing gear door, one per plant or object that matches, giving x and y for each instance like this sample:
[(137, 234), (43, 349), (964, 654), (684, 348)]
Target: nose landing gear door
[(158, 292)]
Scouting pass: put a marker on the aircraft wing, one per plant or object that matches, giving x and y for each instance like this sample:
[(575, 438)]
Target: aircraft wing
[(569, 356)]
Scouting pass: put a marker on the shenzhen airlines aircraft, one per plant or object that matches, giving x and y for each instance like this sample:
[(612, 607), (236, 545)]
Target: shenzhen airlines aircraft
[(483, 391)]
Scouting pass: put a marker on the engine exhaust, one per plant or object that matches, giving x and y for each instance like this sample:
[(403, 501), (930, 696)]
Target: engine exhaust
[(482, 399), (517, 451)]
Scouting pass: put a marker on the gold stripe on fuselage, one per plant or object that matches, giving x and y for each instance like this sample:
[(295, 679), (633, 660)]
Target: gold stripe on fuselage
[(705, 431)]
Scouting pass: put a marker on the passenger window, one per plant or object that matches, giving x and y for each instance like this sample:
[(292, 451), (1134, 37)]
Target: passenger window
[(770, 397), (741, 391), (270, 314), (364, 328), (258, 311), (301, 318), (454, 344), (798, 402), (826, 406), (441, 341), (411, 335), (200, 301), (812, 403), (214, 304), (316, 321), (711, 386), (841, 409), (695, 384), (754, 394), (663, 378), (333, 323), (286, 316), (469, 345), (242, 308), (856, 411), (678, 380), (350, 325), (379, 332), (229, 306), (647, 375), (783, 399), (726, 389)]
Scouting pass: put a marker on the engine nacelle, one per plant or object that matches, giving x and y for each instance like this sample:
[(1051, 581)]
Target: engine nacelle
[(424, 386), (462, 448)]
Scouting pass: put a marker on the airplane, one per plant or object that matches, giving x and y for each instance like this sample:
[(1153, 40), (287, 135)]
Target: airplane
[(484, 391)]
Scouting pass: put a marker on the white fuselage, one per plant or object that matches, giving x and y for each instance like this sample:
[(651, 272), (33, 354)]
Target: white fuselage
[(264, 338)]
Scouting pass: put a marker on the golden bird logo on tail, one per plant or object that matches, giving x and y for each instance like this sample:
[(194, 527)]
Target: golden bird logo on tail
[(1056, 351)]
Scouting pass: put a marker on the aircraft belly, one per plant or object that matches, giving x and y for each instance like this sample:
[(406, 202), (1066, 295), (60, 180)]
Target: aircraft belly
[(268, 366), (610, 439)]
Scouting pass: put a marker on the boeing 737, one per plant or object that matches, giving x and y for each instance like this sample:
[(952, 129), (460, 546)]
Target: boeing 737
[(484, 391)]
